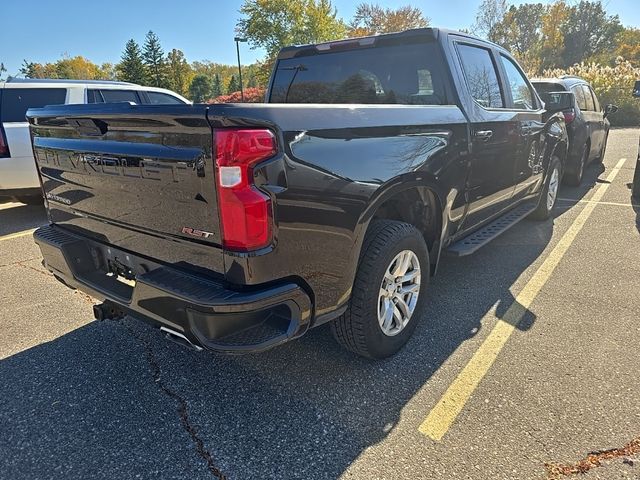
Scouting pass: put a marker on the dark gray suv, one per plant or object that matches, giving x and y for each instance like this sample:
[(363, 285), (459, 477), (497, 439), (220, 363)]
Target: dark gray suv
[(586, 120)]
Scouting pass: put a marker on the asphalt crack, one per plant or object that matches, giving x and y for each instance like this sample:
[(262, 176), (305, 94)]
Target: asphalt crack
[(182, 409), (593, 460)]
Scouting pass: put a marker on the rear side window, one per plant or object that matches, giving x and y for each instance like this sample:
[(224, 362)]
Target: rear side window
[(396, 74), (16, 101), (520, 91), (481, 76), (580, 98), (159, 98), (112, 96)]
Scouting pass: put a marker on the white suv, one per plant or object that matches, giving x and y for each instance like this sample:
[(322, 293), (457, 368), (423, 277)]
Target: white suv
[(18, 177)]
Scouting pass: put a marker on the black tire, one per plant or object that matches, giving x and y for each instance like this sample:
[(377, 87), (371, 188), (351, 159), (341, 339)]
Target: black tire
[(543, 211), (358, 328), (574, 178)]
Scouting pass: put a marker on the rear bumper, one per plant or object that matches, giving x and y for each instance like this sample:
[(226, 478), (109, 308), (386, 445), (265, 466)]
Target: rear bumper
[(206, 311)]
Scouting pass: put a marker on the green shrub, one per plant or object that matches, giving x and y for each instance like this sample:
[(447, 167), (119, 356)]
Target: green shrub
[(612, 85)]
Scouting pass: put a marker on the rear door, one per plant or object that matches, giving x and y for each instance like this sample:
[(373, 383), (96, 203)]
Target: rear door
[(589, 117), (18, 170), (598, 128), (495, 134), (527, 111)]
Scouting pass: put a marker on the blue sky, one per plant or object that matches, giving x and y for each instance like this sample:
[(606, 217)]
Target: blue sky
[(43, 30)]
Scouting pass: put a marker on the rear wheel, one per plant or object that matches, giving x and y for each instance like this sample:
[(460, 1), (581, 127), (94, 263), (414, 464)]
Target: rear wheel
[(574, 178), (549, 194), (388, 294)]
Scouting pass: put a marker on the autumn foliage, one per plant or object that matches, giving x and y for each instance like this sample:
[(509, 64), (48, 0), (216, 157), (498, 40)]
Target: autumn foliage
[(251, 95), (612, 85)]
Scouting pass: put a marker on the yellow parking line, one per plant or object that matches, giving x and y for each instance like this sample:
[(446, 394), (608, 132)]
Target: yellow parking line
[(442, 416), (18, 234)]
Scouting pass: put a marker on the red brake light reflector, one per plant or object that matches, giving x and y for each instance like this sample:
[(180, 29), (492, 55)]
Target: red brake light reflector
[(245, 211)]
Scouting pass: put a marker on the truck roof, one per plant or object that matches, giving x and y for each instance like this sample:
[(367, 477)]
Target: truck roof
[(432, 32)]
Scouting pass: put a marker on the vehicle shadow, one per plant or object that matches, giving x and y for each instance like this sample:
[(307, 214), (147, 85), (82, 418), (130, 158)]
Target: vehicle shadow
[(16, 217), (104, 401)]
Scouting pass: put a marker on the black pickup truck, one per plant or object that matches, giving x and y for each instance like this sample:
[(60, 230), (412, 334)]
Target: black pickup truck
[(237, 227)]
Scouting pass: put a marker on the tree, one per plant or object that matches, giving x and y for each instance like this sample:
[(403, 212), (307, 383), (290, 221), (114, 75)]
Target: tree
[(273, 24), (2, 70), (628, 45), (520, 31), (153, 57), (216, 89), (201, 88), (589, 31), (131, 67), (233, 85), (107, 71), (372, 19), (552, 31), (489, 15), (179, 72)]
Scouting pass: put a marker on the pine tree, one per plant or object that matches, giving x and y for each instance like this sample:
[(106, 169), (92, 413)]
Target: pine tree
[(154, 60), (178, 72), (200, 88), (233, 85), (131, 67), (217, 86)]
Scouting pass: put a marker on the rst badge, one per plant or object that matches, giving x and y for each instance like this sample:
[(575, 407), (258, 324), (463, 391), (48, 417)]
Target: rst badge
[(196, 233)]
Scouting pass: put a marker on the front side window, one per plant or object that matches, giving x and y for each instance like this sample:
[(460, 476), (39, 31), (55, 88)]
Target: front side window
[(580, 99), (481, 76), (596, 102), (386, 74), (588, 98), (520, 91), (16, 101)]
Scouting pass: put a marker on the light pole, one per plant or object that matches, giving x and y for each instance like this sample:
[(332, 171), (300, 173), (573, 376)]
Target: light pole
[(238, 40)]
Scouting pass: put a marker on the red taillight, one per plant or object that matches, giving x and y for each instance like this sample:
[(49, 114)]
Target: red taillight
[(245, 212), (569, 115), (4, 148)]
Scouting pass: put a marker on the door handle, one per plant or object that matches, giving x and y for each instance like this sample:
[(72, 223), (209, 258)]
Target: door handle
[(484, 135)]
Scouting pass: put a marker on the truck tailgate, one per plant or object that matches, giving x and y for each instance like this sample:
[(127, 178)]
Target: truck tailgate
[(138, 177)]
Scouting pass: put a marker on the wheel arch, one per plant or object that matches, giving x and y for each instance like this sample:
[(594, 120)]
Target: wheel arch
[(414, 201)]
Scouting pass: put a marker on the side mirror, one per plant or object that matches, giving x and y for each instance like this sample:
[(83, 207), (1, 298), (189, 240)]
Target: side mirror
[(558, 101), (609, 109), (636, 90)]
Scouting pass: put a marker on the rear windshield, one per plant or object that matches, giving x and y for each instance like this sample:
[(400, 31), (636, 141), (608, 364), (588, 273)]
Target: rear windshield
[(400, 74), (16, 101), (544, 89)]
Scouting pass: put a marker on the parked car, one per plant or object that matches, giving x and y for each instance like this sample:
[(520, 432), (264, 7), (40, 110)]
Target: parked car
[(586, 121), (237, 227), (18, 177)]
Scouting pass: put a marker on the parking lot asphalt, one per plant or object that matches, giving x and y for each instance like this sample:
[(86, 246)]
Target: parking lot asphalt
[(84, 399)]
